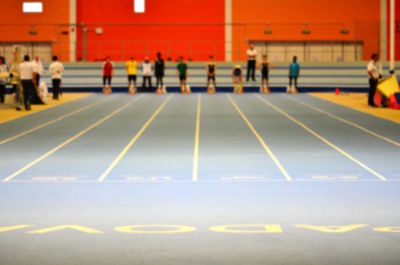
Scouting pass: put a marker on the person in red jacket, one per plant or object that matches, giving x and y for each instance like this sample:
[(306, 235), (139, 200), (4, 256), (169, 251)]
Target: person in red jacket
[(108, 72)]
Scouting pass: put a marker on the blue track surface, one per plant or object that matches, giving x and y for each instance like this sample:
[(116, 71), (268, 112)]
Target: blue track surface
[(283, 171)]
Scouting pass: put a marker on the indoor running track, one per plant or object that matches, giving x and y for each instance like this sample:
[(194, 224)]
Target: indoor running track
[(200, 179)]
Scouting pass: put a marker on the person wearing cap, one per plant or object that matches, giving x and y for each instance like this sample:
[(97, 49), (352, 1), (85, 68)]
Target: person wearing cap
[(237, 79)]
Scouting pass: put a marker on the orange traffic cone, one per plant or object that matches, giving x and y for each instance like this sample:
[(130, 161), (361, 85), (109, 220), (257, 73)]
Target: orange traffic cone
[(337, 91)]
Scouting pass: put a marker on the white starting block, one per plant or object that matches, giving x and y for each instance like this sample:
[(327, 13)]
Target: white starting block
[(188, 90), (291, 89), (163, 90)]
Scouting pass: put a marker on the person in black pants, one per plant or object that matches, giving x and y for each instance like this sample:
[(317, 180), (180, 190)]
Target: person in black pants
[(147, 71), (251, 63), (56, 70), (28, 80), (374, 76), (3, 79), (159, 67)]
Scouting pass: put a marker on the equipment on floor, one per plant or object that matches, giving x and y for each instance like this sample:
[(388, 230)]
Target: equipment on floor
[(291, 89), (388, 88), (43, 92)]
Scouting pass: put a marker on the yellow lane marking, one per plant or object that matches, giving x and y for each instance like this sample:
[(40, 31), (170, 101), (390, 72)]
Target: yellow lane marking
[(51, 122), (12, 228), (332, 229), (73, 138), (394, 229), (260, 139), (155, 229), (133, 141), (248, 229), (80, 228), (196, 142), (305, 127), (355, 125)]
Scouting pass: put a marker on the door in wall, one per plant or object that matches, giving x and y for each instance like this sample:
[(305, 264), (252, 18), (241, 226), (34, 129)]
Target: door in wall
[(41, 49)]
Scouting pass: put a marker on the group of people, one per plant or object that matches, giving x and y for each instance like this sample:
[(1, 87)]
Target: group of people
[(265, 66), (28, 74), (148, 70), (158, 70)]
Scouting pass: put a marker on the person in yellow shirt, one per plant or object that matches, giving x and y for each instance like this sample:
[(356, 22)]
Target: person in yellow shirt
[(131, 68)]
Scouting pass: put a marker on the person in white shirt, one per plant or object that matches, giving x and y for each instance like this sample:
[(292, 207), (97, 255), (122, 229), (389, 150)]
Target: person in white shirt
[(56, 70), (28, 80), (251, 63), (38, 69), (147, 71), (374, 75)]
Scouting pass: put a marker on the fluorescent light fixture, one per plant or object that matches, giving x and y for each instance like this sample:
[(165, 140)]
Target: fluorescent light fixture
[(139, 6), (32, 7)]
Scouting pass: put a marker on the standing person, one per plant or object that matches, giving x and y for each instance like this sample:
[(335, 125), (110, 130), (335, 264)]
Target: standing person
[(265, 66), (159, 73), (28, 79), (294, 73), (14, 78), (3, 78), (182, 71), (56, 70), (251, 63), (147, 71), (211, 72), (38, 68), (237, 79), (374, 75), (131, 68), (108, 73)]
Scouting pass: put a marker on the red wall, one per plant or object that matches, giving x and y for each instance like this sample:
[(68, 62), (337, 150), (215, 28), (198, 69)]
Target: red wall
[(15, 25), (193, 29), (326, 18)]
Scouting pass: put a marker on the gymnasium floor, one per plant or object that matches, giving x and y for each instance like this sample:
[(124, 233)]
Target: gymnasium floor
[(199, 179)]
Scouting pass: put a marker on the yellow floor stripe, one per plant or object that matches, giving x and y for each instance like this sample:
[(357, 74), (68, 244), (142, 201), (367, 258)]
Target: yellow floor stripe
[(9, 113), (260, 139), (355, 125), (51, 122), (196, 142), (358, 101), (73, 138), (358, 162), (133, 141)]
